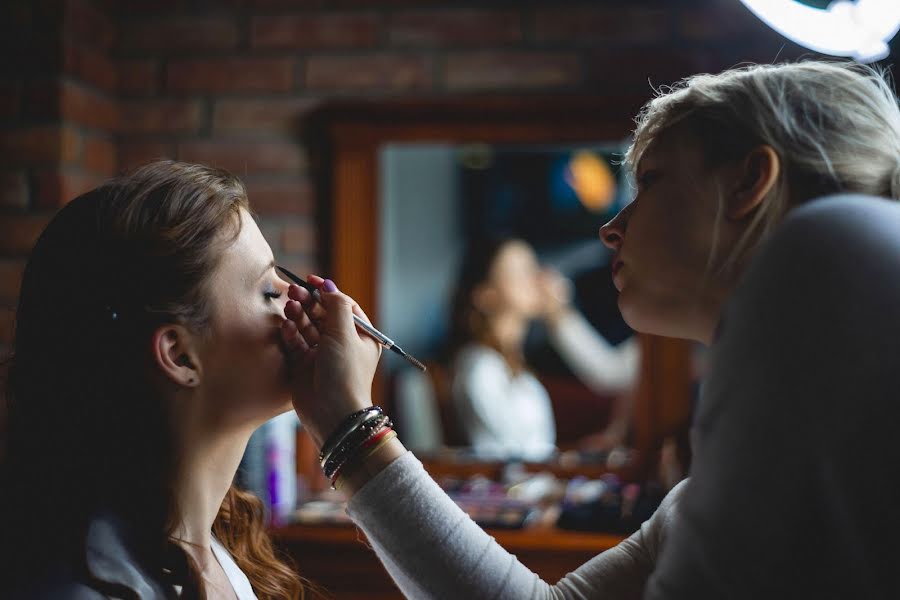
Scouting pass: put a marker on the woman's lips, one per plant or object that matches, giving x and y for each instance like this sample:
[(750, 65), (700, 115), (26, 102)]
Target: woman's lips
[(616, 269)]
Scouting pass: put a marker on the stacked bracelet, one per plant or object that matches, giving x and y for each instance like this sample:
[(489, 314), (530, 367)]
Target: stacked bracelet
[(354, 442), (370, 448), (363, 431), (348, 426)]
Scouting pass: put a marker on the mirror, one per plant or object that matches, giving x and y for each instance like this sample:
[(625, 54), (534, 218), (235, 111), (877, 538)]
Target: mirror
[(459, 223), (357, 146)]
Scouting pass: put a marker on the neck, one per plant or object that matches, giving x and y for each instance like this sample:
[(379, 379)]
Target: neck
[(708, 313), (210, 458)]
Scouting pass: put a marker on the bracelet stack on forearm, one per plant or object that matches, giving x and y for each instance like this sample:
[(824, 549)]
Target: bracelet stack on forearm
[(359, 436)]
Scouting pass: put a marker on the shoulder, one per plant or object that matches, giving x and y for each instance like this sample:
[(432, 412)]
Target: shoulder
[(476, 358), (857, 235), (839, 254)]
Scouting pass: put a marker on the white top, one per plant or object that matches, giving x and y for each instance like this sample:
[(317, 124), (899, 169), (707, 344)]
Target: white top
[(503, 414), (238, 579), (510, 415)]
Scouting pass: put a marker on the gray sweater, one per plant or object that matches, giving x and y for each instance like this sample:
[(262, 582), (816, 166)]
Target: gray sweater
[(794, 490), (433, 549)]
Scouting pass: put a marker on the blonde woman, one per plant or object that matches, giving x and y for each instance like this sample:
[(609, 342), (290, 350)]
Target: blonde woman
[(731, 241)]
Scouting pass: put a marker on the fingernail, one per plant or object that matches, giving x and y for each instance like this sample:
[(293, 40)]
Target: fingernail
[(329, 286)]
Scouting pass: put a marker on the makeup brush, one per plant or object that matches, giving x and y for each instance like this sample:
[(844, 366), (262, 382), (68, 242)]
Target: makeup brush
[(380, 337)]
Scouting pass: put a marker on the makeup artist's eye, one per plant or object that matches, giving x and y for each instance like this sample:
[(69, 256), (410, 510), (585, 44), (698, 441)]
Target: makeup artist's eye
[(647, 178), (272, 295)]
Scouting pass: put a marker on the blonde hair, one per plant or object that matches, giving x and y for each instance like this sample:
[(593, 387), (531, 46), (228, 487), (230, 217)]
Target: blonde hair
[(835, 126)]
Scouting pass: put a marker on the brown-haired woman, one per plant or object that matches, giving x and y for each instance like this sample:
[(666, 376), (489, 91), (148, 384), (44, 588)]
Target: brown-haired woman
[(503, 409), (147, 350)]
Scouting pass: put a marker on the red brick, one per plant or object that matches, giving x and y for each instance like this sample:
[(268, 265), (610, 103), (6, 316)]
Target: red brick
[(89, 65), (40, 145), (54, 188), (18, 233), (368, 72), (86, 21), (602, 25), (136, 153), (72, 102), (143, 7), (455, 27), (298, 237), (139, 76), (13, 190), (344, 3), (10, 100), (513, 70), (230, 74), (335, 30), (10, 280), (280, 197), (86, 107), (643, 67), (161, 116), (268, 116), (100, 156), (179, 34), (243, 157), (718, 21)]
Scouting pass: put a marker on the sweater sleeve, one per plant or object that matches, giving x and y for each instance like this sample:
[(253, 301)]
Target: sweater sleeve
[(433, 550), (793, 492), (598, 364)]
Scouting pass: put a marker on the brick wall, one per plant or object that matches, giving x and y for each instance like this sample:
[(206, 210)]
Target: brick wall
[(92, 87)]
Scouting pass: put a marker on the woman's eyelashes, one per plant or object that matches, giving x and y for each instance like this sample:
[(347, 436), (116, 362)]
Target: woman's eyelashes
[(272, 295)]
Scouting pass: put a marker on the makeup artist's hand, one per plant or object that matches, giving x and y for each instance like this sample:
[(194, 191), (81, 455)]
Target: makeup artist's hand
[(333, 362)]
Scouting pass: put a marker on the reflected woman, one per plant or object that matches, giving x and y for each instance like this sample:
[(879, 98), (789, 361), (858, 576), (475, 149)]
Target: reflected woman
[(502, 407)]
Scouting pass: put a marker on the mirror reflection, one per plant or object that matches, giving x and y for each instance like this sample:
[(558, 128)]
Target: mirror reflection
[(491, 272)]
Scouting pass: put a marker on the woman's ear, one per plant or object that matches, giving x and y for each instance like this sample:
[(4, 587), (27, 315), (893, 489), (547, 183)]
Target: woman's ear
[(757, 174), (174, 351)]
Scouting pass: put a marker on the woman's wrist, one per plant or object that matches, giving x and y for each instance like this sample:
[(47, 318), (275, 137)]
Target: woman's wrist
[(360, 472)]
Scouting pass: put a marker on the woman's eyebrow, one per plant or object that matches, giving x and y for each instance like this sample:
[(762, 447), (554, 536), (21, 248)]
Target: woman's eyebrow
[(269, 265)]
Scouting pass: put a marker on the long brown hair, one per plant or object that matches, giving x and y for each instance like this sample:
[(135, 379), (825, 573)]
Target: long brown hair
[(468, 323), (87, 431)]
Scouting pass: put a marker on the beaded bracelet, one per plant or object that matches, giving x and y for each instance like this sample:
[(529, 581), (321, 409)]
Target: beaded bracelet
[(345, 429), (354, 442)]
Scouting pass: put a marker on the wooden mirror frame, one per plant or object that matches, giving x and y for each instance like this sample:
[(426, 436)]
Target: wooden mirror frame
[(346, 138)]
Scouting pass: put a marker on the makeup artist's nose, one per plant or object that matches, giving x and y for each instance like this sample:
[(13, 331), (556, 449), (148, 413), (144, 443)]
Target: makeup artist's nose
[(613, 233)]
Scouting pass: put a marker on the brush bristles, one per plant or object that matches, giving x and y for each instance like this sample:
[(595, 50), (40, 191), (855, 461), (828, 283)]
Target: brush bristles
[(411, 359)]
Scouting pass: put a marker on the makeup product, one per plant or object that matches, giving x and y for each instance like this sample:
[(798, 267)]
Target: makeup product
[(380, 337)]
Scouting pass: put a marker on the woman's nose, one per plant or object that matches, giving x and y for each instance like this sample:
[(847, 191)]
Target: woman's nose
[(613, 233)]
